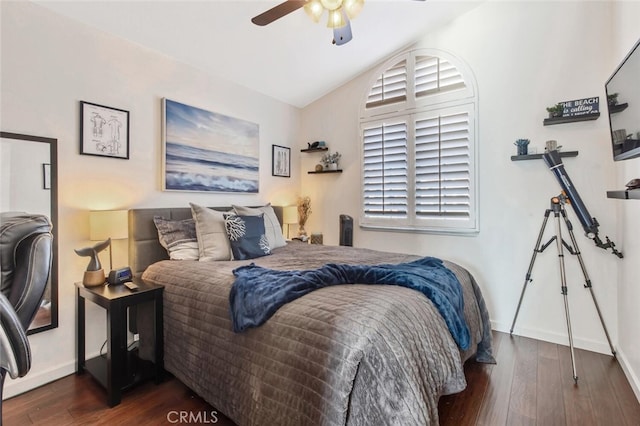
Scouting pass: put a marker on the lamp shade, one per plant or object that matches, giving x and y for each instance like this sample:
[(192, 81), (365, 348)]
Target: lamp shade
[(331, 4), (353, 7), (290, 214), (336, 20), (314, 9), (105, 224)]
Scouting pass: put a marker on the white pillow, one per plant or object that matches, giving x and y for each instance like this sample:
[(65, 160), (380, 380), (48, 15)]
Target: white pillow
[(272, 227), (213, 243)]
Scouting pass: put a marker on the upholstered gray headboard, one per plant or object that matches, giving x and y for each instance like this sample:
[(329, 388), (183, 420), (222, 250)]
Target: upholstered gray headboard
[(144, 246)]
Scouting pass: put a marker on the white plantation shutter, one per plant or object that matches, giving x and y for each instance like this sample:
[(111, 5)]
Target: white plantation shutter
[(436, 75), (419, 147), (442, 187), (385, 170), (390, 87)]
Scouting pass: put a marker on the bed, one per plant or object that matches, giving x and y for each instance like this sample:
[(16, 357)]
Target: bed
[(342, 355)]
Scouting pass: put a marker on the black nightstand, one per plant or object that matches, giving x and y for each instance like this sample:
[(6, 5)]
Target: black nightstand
[(120, 368)]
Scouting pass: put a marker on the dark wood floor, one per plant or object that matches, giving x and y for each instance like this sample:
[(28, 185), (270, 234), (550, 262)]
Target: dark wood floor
[(532, 384)]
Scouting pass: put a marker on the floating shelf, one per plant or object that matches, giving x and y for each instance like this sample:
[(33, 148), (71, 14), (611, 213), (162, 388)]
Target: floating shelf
[(325, 171), (539, 156), (561, 120), (629, 194), (315, 149), (618, 108)]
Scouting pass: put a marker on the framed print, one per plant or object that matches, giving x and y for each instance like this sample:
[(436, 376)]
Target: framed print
[(46, 176), (208, 152), (280, 161), (104, 131)]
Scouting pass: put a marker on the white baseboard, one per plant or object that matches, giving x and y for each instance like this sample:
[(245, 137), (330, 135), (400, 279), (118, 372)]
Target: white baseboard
[(560, 339), (35, 379), (633, 378)]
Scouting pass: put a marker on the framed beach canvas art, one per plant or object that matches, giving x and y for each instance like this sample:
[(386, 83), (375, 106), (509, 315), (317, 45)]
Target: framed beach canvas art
[(209, 152)]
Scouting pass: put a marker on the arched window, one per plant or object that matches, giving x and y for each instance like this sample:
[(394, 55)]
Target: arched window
[(418, 128)]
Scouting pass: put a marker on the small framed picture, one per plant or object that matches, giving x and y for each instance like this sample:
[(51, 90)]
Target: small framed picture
[(104, 131), (281, 161), (46, 176)]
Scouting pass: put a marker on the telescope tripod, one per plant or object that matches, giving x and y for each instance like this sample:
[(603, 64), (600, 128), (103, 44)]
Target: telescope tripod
[(557, 208)]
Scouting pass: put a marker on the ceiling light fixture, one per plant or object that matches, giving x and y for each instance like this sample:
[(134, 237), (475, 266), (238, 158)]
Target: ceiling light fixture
[(339, 11)]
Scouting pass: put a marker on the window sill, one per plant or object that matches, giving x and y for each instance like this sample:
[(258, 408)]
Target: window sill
[(463, 232)]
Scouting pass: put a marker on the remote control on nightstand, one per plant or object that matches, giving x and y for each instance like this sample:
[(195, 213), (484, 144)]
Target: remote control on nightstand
[(131, 286)]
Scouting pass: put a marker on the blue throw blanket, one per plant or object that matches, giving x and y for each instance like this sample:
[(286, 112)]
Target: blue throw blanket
[(258, 293)]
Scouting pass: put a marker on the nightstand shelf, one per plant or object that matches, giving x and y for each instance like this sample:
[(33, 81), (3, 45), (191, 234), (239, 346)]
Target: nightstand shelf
[(120, 368), (137, 370)]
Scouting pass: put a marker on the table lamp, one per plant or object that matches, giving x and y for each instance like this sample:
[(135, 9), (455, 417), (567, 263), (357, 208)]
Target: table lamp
[(113, 224), (289, 217)]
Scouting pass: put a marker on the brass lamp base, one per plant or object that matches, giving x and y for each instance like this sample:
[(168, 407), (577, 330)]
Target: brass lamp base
[(93, 278)]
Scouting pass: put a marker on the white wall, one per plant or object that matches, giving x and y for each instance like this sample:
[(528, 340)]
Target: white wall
[(626, 33), (49, 64), (525, 56)]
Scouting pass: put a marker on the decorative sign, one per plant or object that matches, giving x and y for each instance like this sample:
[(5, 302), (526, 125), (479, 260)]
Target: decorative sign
[(580, 107)]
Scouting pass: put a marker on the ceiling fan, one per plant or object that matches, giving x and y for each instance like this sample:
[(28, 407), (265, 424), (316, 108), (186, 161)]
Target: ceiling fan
[(340, 12)]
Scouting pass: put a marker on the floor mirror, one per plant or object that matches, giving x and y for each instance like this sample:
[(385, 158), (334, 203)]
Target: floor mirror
[(29, 170)]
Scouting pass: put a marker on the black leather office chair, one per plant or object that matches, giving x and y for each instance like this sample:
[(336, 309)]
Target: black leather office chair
[(26, 251)]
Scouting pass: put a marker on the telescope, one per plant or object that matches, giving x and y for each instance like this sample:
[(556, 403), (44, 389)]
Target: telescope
[(589, 223), (571, 195)]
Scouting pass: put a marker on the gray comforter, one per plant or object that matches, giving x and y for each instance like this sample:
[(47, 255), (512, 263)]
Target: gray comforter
[(353, 354)]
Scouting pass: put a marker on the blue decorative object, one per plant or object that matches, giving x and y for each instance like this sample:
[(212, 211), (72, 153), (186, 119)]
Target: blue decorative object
[(247, 236), (522, 146)]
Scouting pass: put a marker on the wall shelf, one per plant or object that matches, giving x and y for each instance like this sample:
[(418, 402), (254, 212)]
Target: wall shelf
[(629, 194), (325, 148), (618, 108), (539, 156), (325, 171), (561, 120)]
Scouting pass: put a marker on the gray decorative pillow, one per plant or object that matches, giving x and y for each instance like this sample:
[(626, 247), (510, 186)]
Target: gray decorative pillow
[(246, 236), (212, 237), (272, 226), (178, 237)]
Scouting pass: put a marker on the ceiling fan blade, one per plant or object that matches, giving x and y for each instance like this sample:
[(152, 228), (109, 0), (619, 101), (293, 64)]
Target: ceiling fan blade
[(277, 12)]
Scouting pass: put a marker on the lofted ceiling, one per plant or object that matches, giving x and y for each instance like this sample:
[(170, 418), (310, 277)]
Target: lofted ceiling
[(292, 59)]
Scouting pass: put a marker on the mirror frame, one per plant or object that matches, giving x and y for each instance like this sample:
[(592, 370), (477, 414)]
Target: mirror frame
[(53, 279)]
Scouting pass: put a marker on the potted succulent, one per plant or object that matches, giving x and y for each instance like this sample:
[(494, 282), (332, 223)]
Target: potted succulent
[(330, 161), (555, 110), (522, 145)]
